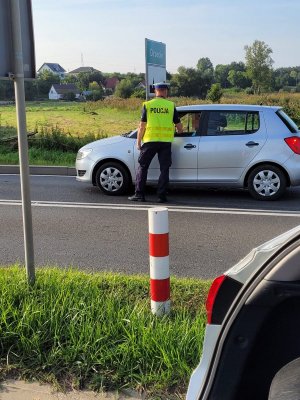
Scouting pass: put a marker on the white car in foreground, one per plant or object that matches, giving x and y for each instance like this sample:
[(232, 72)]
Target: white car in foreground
[(251, 347), (225, 146)]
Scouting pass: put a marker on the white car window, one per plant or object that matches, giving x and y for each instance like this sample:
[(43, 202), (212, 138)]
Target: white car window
[(190, 123)]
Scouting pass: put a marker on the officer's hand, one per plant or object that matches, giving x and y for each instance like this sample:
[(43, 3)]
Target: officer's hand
[(138, 146)]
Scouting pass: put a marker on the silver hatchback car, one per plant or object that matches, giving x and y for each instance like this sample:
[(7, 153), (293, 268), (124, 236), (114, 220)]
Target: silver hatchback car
[(226, 146)]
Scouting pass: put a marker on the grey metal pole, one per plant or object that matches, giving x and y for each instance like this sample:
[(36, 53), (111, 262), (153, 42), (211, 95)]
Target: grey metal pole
[(146, 72), (18, 76)]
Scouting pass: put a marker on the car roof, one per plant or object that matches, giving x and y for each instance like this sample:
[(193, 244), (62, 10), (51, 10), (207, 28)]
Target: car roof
[(261, 254), (223, 107)]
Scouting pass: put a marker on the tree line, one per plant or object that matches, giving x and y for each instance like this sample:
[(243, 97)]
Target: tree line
[(253, 76)]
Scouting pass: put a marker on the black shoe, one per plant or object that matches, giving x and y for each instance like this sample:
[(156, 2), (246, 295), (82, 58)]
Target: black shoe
[(137, 197), (162, 199)]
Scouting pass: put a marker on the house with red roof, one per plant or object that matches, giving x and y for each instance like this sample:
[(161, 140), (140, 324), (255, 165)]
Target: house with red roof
[(110, 84)]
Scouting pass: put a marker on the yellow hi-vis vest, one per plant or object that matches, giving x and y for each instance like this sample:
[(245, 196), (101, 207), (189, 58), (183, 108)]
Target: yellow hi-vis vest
[(160, 125)]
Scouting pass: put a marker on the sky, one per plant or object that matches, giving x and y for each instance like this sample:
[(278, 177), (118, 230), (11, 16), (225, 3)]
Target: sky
[(109, 35)]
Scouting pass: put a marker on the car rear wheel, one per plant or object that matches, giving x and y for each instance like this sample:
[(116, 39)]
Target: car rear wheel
[(112, 178), (266, 182)]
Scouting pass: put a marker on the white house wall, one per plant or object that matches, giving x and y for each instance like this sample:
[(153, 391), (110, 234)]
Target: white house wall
[(53, 95)]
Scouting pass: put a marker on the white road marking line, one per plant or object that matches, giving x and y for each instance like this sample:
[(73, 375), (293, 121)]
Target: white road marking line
[(144, 207)]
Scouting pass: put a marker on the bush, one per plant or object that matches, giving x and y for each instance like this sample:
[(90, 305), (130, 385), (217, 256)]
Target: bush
[(249, 90), (288, 89), (139, 93), (69, 96), (95, 95), (56, 139), (215, 93), (52, 138)]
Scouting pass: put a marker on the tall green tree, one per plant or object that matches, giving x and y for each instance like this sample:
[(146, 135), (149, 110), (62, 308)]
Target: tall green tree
[(98, 77), (188, 82), (7, 90), (83, 80), (238, 79), (30, 90), (294, 74), (44, 82), (221, 75), (125, 88), (237, 66), (206, 70), (259, 65)]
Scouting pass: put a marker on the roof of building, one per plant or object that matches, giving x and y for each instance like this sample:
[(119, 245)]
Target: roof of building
[(83, 69), (142, 84), (67, 88), (111, 83), (86, 92), (56, 68)]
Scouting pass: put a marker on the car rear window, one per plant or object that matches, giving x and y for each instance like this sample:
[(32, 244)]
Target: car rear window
[(288, 122)]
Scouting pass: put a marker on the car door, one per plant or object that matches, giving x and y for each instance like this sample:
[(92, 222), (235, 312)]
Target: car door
[(184, 152), (230, 141)]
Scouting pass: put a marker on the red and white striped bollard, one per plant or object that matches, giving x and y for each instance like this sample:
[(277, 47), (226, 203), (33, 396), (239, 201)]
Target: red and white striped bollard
[(159, 260)]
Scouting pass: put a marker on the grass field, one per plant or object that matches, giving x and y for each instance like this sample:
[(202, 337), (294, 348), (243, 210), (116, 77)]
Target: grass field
[(77, 119), (96, 331), (114, 116), (109, 117)]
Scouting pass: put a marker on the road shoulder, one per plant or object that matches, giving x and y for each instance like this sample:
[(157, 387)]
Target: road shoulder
[(21, 390), (39, 170)]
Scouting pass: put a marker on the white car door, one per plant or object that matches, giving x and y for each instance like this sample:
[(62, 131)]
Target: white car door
[(184, 153), (184, 158)]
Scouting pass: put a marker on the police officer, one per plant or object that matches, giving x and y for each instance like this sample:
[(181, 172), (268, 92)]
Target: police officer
[(156, 131)]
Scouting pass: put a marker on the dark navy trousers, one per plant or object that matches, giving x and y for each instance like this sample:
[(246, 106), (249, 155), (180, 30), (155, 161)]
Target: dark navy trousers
[(148, 151)]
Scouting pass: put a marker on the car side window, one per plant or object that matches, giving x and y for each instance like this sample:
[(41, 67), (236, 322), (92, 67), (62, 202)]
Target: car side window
[(232, 122), (190, 123)]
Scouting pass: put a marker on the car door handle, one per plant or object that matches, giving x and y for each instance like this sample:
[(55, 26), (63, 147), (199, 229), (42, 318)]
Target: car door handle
[(189, 146), (251, 144)]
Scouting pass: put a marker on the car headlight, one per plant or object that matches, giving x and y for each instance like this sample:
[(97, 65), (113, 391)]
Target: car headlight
[(83, 153)]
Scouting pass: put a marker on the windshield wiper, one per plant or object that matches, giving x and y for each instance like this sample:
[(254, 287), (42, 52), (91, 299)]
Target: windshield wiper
[(126, 134)]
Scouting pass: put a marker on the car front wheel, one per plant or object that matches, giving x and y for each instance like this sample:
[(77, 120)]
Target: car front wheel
[(112, 178), (266, 182)]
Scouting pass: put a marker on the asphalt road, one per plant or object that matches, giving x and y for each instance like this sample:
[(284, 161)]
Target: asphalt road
[(76, 225)]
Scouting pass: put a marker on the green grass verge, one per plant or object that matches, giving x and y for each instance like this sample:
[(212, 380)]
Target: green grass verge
[(39, 157), (48, 147), (96, 331)]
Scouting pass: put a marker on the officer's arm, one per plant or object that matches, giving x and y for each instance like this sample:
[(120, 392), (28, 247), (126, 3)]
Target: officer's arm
[(179, 127), (140, 135), (176, 120)]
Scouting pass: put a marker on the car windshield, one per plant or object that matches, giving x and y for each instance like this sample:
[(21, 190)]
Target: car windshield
[(287, 121), (132, 134)]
